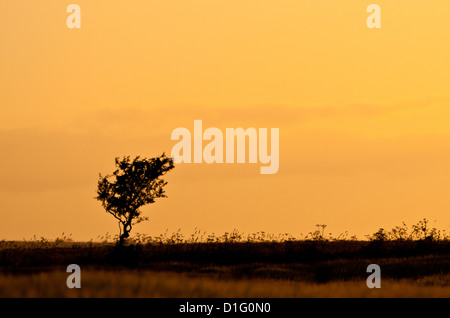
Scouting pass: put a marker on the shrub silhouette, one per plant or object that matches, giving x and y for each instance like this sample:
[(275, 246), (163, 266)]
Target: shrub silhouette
[(421, 231), (132, 185)]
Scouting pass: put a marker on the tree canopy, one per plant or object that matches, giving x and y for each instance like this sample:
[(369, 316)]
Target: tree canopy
[(135, 183)]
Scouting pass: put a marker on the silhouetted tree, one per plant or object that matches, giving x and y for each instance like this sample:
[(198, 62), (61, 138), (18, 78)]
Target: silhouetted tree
[(134, 184)]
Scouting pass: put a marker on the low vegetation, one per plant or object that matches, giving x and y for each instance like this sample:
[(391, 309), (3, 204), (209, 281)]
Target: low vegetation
[(232, 264)]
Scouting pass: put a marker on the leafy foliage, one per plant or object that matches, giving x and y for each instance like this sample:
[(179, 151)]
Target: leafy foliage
[(133, 184)]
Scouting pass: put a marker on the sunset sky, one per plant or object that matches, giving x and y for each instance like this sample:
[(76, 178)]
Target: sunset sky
[(364, 114)]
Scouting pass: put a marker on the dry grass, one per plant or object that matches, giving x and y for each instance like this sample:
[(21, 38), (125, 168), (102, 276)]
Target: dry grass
[(101, 283), (415, 263)]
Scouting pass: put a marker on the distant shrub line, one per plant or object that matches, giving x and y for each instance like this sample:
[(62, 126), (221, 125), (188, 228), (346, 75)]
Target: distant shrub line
[(421, 231)]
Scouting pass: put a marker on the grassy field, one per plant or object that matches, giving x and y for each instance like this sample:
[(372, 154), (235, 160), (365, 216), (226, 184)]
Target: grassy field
[(414, 263), (226, 269), (132, 283)]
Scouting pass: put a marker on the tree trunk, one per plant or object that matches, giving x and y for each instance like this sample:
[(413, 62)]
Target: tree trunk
[(126, 233)]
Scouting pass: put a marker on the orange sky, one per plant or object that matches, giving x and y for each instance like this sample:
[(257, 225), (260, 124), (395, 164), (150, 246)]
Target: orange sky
[(363, 113)]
